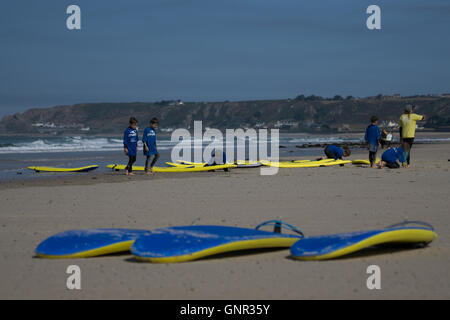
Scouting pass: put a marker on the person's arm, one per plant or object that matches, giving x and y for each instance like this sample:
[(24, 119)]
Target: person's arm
[(143, 138), (400, 129), (125, 149), (137, 139)]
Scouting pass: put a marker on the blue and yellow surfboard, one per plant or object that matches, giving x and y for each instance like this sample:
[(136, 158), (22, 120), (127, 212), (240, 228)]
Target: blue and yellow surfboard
[(338, 245), (88, 243), (187, 243)]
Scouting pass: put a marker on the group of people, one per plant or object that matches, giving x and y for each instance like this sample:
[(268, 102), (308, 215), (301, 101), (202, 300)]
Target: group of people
[(130, 140), (392, 157), (400, 156)]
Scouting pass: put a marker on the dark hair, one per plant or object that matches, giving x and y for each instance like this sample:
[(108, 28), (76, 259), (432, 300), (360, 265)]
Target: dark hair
[(154, 120), (373, 119), (133, 120), (347, 150)]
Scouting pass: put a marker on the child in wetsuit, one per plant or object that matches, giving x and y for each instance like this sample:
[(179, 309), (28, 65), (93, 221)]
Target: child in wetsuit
[(391, 158), (149, 141), (130, 139), (372, 138), (336, 153)]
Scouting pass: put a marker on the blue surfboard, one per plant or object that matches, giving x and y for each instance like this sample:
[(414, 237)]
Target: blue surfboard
[(186, 243), (337, 245), (88, 243)]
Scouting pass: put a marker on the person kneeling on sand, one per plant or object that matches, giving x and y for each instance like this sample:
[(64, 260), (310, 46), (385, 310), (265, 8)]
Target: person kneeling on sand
[(336, 153), (215, 159), (392, 158)]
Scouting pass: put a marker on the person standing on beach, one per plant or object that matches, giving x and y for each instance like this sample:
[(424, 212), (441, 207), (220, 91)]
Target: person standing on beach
[(149, 141), (373, 137), (407, 130), (391, 157), (130, 139), (336, 153)]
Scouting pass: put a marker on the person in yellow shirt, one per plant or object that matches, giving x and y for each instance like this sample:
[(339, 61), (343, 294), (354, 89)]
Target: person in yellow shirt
[(407, 130)]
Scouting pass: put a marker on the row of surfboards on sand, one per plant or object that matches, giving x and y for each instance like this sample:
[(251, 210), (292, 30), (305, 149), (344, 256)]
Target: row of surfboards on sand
[(186, 166), (188, 243)]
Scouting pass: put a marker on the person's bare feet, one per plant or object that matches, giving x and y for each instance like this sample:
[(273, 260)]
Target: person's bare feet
[(131, 174), (126, 172)]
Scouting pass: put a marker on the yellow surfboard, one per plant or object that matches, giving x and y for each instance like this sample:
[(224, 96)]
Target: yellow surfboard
[(180, 165), (312, 164), (52, 169), (239, 163), (174, 169), (309, 161), (361, 161)]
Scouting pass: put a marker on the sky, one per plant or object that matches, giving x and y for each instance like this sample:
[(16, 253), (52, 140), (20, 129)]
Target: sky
[(216, 50)]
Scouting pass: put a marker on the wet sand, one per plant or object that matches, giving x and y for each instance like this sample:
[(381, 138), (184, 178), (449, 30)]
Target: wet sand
[(317, 200)]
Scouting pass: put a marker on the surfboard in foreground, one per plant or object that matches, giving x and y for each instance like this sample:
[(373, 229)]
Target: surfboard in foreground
[(187, 243), (174, 169), (52, 169), (88, 243), (310, 164), (338, 245)]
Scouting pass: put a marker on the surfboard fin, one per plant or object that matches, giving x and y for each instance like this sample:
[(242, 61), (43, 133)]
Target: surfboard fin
[(278, 225)]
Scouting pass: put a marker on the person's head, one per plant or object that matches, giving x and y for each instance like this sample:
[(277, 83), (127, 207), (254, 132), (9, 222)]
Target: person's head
[(154, 123), (133, 123), (408, 108), (347, 152), (374, 119)]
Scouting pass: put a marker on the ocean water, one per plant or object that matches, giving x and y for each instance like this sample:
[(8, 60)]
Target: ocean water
[(13, 145), (17, 153)]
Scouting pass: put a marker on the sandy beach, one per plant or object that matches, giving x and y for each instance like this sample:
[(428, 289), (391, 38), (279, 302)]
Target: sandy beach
[(317, 200)]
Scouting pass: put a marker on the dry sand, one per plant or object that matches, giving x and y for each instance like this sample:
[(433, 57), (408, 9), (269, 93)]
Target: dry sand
[(318, 200)]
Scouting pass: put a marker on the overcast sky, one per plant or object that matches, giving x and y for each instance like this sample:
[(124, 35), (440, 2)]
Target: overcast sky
[(215, 50)]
